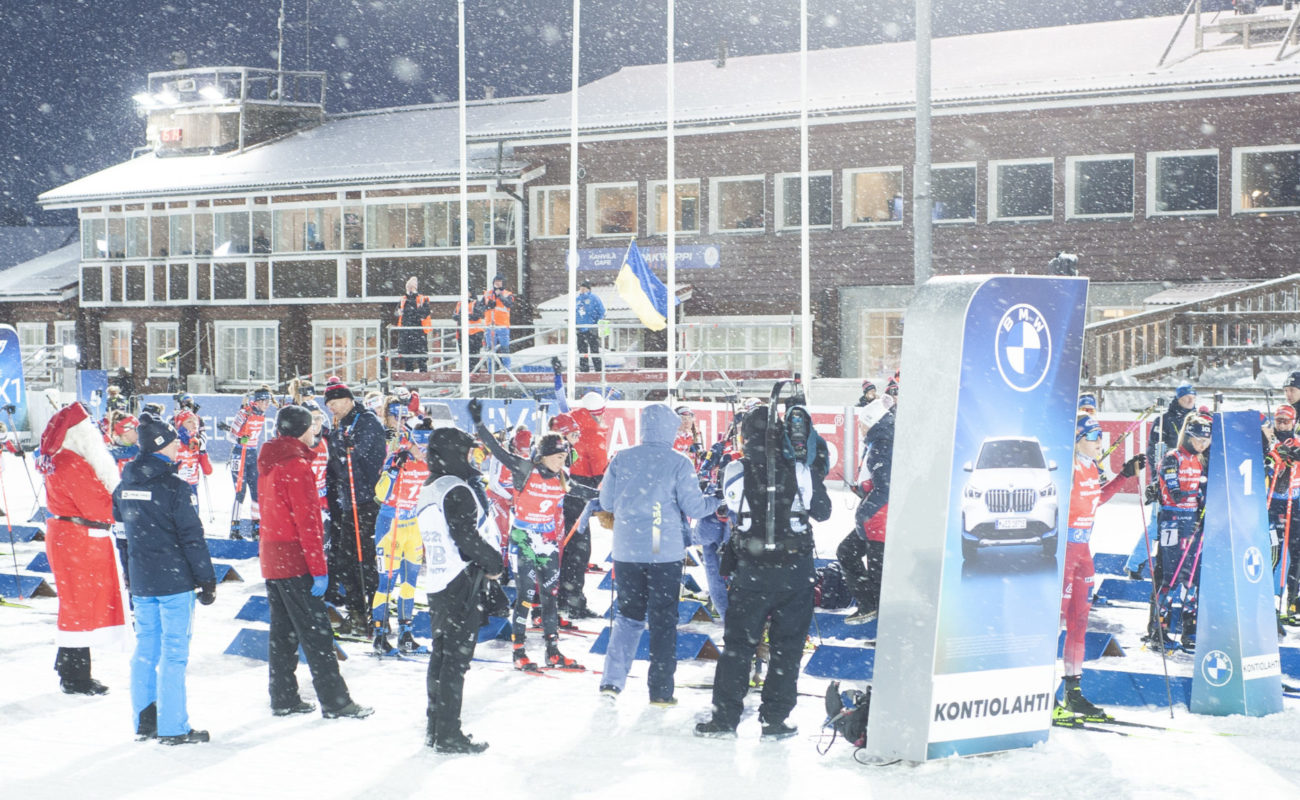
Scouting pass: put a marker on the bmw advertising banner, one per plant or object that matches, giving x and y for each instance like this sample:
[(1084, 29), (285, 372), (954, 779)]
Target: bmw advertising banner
[(971, 596), (1237, 669), (13, 391)]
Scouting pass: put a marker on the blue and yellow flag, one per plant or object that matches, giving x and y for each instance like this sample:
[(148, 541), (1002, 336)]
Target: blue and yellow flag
[(644, 292)]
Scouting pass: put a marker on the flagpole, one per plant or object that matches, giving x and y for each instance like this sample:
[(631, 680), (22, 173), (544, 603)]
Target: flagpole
[(466, 301), (805, 271), (573, 205), (670, 197)]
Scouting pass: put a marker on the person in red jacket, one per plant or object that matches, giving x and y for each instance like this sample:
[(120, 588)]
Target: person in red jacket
[(292, 556), (586, 471)]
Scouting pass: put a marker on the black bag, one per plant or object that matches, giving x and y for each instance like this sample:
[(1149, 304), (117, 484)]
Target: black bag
[(831, 589), (847, 712)]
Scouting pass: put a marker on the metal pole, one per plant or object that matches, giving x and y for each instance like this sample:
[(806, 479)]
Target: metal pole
[(575, 39), (922, 223), (670, 197), (805, 270), (464, 206)]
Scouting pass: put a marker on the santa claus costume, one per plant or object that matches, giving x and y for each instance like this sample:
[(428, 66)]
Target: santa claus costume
[(80, 476)]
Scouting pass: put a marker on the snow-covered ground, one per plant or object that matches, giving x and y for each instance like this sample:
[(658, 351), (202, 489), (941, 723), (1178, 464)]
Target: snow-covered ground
[(554, 737)]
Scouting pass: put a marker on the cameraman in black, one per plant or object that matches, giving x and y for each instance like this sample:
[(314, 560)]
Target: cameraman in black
[(767, 584)]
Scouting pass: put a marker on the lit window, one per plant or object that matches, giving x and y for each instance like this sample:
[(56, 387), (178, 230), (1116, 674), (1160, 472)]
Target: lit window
[(1266, 178), (550, 214), (115, 346), (873, 196), (161, 338), (881, 349), (611, 209), (347, 349), (685, 207), (737, 204)]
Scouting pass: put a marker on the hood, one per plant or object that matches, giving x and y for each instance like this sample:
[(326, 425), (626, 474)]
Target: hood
[(659, 424), (282, 449), (448, 454)]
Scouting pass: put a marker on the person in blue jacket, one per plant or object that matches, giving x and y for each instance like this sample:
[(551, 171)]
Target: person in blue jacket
[(588, 310), (650, 489), (167, 559)]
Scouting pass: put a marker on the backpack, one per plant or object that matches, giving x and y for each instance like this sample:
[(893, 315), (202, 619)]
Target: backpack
[(846, 714), (831, 589)]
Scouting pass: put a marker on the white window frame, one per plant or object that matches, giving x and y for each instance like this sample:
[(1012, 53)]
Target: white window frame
[(593, 214), (864, 336), (221, 327), (971, 166), (30, 330), (993, 187), (652, 206), (348, 372), (715, 202), (120, 326), (847, 216), (777, 357), (778, 200), (1237, 154), (65, 332), (1153, 189), (1071, 183), (539, 212), (153, 349)]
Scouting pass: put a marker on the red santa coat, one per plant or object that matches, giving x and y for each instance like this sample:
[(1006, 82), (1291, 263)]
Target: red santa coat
[(79, 480)]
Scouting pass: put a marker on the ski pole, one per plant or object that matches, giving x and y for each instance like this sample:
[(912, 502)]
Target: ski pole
[(207, 495), (1286, 548), (356, 528), (1137, 423), (1155, 603), (239, 486), (36, 495)]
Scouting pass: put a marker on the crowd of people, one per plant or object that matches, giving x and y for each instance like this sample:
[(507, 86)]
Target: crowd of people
[(366, 503)]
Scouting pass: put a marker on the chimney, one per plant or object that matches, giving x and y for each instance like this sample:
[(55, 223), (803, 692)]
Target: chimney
[(722, 54), (489, 92)]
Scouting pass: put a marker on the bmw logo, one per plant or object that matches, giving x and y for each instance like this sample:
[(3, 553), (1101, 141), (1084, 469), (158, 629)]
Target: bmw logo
[(1023, 347), (1216, 668), (1252, 563)]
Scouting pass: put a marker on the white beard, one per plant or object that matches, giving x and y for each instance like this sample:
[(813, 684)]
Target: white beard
[(85, 440)]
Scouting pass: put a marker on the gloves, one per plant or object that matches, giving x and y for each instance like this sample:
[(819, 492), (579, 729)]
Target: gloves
[(390, 434), (556, 367), (606, 519), (1134, 464), (318, 585), (208, 594), (476, 411), (1152, 494), (243, 441), (1289, 451)]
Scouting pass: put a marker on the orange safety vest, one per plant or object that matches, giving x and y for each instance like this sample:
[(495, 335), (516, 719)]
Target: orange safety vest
[(420, 299), (497, 314), (475, 326)]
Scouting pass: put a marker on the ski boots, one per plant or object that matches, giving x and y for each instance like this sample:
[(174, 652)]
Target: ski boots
[(257, 530), (522, 662), (236, 530), (381, 644), (1075, 703), (557, 660), (407, 644)]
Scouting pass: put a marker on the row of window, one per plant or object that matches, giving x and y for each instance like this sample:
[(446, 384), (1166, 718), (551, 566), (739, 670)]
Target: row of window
[(1096, 187), (332, 228)]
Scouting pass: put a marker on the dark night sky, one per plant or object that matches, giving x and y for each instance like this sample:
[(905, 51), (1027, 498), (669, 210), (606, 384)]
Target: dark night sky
[(70, 67)]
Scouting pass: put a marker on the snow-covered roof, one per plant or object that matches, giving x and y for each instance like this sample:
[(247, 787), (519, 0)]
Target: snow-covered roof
[(412, 143), (19, 243), (1194, 292), (45, 277), (1098, 58)]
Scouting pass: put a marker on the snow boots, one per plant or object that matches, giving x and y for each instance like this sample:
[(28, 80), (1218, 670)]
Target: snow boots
[(352, 710), (1076, 703), (73, 666), (193, 737), (775, 731), (458, 744), (146, 725), (714, 730)]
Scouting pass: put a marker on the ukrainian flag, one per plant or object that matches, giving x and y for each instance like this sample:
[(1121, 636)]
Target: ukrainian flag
[(644, 292)]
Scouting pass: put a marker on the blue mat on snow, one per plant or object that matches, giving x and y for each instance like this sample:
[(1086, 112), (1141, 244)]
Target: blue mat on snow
[(255, 643), (832, 626), (232, 549), (1125, 590), (225, 572), (1095, 645), (21, 533), (841, 663), (1108, 687), (39, 564), (689, 646), (24, 586), (1109, 563), (496, 627), (1290, 657)]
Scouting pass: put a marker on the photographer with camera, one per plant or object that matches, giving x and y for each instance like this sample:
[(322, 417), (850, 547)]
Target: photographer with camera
[(415, 318), (497, 302)]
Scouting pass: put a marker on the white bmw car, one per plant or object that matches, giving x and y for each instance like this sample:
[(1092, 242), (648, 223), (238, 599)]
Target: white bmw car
[(1010, 497)]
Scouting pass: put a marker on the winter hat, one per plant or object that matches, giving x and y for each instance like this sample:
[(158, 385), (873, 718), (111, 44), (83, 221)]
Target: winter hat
[(448, 452), (57, 428), (594, 402), (1198, 427), (564, 423), (338, 391), (1088, 401), (1285, 412), (892, 388), (585, 284), (496, 278), (1293, 381), (868, 386), (124, 423), (523, 439), (1086, 428), (155, 434), (261, 394), (550, 444), (753, 430), (419, 430), (292, 421), (1183, 390)]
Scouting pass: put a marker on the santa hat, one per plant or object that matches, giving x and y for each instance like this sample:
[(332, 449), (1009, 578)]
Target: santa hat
[(71, 429)]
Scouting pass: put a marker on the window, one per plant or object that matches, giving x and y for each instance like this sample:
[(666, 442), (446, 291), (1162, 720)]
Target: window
[(1265, 178), (203, 233), (135, 283), (952, 187), (293, 279), (611, 209), (873, 196), (346, 348), (550, 213), (92, 284), (65, 333), (137, 237), (738, 204), (178, 282), (116, 237), (94, 239), (503, 222), (353, 228), (386, 227), (301, 229), (161, 338), (230, 232), (745, 342), (1099, 186), (1183, 183), (819, 200), (115, 346), (31, 339), (180, 232), (1020, 190), (881, 349), (230, 281), (685, 207), (158, 236), (247, 353)]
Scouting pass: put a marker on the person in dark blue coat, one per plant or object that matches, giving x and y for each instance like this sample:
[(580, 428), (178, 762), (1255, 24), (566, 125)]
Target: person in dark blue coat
[(167, 559), (357, 447), (588, 311)]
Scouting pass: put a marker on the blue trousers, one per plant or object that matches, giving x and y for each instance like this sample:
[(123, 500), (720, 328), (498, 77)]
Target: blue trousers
[(163, 626), (646, 593), (710, 533), (498, 339)]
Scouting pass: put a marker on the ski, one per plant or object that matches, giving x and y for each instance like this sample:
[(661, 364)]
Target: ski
[(1064, 719), (708, 687), (7, 604)]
